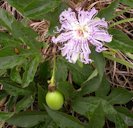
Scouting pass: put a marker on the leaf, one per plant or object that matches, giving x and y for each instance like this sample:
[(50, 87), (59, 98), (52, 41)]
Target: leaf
[(126, 115), (26, 35), (104, 88), (80, 72), (54, 14), (11, 102), (24, 103), (119, 96), (15, 75), (98, 119), (108, 12), (41, 97), (3, 94), (121, 61), (27, 119), (11, 61), (65, 88), (63, 120), (5, 115), (120, 41), (90, 86), (13, 89), (61, 71), (85, 106), (127, 2), (7, 40), (6, 19), (119, 123), (99, 62), (30, 71), (35, 9)]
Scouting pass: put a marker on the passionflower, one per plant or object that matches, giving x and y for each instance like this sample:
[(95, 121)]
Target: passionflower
[(80, 30)]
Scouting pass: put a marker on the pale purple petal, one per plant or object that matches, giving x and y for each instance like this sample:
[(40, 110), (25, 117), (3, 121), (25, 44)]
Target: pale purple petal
[(78, 32)]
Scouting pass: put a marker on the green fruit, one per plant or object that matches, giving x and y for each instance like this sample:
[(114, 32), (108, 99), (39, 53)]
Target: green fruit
[(54, 100)]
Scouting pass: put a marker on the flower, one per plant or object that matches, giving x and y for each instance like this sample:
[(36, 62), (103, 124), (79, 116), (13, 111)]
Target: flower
[(79, 30)]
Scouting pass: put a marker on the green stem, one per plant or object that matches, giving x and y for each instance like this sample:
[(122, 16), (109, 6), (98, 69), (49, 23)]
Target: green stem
[(121, 21), (52, 81)]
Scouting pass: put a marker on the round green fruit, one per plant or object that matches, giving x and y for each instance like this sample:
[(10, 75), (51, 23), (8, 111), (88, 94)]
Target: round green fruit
[(54, 100)]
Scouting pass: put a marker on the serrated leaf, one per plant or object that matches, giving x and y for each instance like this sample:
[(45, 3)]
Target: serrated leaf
[(13, 89), (127, 2), (11, 61), (80, 72), (61, 71), (30, 71), (99, 62), (90, 86), (126, 115), (24, 103), (107, 12), (7, 40), (120, 41), (85, 106), (63, 120), (35, 9), (104, 88), (5, 115), (119, 96), (15, 75), (65, 88), (97, 120), (41, 97), (27, 119), (6, 19)]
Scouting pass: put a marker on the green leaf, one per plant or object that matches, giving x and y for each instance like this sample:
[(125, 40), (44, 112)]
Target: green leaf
[(108, 12), (11, 102), (99, 62), (65, 88), (120, 41), (41, 97), (90, 86), (3, 94), (127, 2), (126, 115), (119, 96), (118, 60), (7, 40), (80, 72), (63, 120), (26, 35), (5, 19), (119, 123), (85, 106), (24, 103), (5, 115), (30, 71), (15, 75), (97, 120), (27, 119), (54, 14), (13, 89), (11, 61), (35, 9), (61, 71), (104, 88)]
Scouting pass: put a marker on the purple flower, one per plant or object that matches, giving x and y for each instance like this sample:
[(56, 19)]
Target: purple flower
[(78, 32)]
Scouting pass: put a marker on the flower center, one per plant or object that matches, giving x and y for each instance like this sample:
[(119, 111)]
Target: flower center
[(80, 33)]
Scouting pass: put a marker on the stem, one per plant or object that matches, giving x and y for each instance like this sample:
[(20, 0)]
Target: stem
[(121, 22), (52, 81)]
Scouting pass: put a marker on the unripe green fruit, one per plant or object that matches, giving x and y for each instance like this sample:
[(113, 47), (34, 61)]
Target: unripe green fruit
[(54, 100)]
